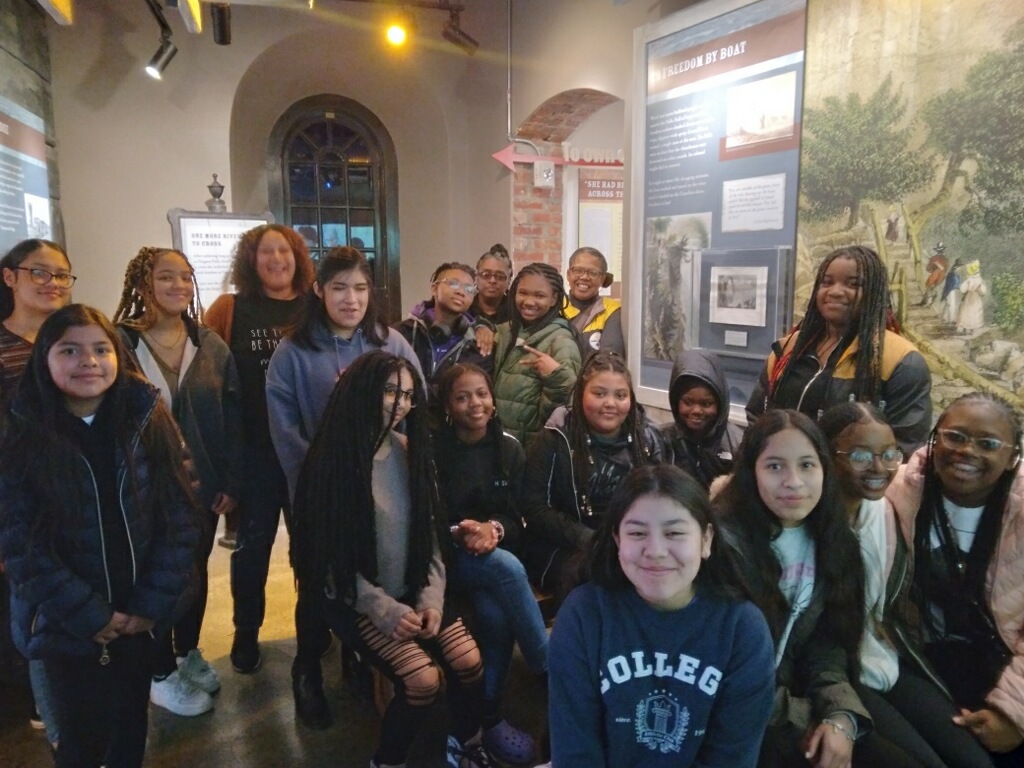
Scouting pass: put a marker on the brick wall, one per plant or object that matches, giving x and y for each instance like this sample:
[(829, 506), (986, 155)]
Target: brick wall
[(537, 215)]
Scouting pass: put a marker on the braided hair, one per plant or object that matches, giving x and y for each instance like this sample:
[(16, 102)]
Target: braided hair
[(554, 280), (333, 521), (136, 306), (498, 251), (926, 581), (875, 318), (640, 450)]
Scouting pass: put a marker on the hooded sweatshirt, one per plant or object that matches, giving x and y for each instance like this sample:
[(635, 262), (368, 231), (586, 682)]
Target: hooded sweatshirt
[(300, 382), (707, 457)]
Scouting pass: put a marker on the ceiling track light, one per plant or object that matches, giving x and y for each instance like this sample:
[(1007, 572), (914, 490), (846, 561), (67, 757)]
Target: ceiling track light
[(167, 49), (454, 34), (220, 18)]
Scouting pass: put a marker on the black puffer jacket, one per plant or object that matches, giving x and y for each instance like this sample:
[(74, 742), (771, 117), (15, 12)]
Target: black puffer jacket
[(707, 457)]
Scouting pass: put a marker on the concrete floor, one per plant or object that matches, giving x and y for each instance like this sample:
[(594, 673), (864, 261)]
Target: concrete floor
[(253, 723)]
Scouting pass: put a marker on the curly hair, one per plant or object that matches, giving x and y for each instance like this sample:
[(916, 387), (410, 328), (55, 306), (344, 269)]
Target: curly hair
[(34, 448), (749, 526), (333, 522), (875, 318), (578, 430), (136, 304), (243, 265), (13, 259), (926, 581), (314, 314), (719, 573)]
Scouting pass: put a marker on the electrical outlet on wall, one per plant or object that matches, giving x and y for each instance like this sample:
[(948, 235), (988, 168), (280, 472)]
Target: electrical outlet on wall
[(544, 174)]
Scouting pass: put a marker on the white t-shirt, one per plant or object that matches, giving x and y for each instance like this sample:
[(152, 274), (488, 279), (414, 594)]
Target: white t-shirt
[(794, 549)]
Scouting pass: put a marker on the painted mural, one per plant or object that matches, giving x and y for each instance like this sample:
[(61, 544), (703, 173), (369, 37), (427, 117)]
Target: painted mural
[(913, 144)]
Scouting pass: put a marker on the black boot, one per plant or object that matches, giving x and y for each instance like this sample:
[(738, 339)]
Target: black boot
[(245, 651), (310, 703)]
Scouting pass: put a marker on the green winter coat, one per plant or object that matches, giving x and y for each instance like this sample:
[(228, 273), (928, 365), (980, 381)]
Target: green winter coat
[(524, 398)]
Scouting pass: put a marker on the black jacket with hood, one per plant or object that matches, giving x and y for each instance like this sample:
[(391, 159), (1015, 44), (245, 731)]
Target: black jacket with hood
[(708, 457)]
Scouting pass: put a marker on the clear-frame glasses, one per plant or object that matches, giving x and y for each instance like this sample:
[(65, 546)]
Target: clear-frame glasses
[(956, 441), (861, 458)]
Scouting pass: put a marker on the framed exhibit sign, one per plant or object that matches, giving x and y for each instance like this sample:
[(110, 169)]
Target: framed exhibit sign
[(208, 239), (716, 131)]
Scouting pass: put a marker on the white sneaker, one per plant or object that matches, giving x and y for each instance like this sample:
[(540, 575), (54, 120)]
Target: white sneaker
[(178, 695), (194, 668)]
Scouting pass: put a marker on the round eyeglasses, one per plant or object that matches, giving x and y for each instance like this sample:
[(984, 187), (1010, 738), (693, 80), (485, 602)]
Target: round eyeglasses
[(467, 288), (862, 458)]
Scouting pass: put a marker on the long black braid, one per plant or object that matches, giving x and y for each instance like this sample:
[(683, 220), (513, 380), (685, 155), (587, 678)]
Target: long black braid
[(579, 432), (554, 279), (875, 318), (986, 537), (333, 524)]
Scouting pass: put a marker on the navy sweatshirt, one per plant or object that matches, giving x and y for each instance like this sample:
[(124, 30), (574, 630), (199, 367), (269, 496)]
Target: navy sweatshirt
[(634, 686)]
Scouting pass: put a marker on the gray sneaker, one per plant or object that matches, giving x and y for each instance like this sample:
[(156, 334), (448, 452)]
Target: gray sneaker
[(194, 668)]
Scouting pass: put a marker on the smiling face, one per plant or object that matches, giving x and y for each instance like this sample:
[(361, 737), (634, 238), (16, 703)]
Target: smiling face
[(967, 473), (275, 265), (789, 476), (606, 403), (698, 408), (534, 298), (39, 299), (470, 406), (345, 297), (172, 289), (492, 278), (83, 366), (661, 547), (449, 300), (869, 483), (399, 387), (583, 284), (839, 296)]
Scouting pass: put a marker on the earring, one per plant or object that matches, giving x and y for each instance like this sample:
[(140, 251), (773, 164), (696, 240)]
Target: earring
[(447, 418)]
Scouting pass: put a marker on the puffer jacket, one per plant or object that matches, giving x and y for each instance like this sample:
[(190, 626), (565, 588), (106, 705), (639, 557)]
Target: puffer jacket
[(59, 602), (556, 503), (524, 398), (1004, 582), (711, 456)]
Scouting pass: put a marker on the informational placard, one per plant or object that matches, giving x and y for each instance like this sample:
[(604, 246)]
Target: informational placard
[(209, 239), (600, 218), (719, 132), (24, 182)]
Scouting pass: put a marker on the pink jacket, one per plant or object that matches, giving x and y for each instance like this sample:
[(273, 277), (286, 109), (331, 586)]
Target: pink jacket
[(1005, 582)]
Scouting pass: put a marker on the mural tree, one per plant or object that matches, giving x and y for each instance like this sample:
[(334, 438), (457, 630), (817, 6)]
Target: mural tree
[(982, 122), (855, 150)]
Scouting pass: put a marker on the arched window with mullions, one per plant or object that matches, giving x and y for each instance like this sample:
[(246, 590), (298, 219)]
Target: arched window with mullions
[(333, 178)]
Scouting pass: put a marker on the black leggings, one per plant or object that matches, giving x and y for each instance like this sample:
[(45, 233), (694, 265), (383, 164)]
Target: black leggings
[(415, 668)]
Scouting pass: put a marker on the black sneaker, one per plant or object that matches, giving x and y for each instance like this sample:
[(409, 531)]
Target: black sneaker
[(245, 651)]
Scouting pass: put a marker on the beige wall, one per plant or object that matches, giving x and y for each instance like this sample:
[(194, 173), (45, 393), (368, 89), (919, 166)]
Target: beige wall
[(131, 148)]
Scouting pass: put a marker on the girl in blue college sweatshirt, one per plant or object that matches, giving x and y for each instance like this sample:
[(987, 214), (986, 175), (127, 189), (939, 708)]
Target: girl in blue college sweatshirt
[(659, 661), (340, 324)]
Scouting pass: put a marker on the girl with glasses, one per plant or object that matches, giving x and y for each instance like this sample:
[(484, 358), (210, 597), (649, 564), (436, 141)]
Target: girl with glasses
[(597, 318), (367, 536), (339, 324), (960, 501), (37, 282), (909, 705)]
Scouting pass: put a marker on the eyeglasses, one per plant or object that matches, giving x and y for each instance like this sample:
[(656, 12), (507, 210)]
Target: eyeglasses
[(394, 392), (43, 276), (862, 458), (581, 271), (468, 288), (956, 441), (488, 275)]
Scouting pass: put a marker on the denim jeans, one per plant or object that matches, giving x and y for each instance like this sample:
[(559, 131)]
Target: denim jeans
[(504, 611), (44, 699)]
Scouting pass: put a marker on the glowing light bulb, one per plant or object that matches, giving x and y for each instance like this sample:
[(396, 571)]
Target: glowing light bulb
[(396, 34)]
